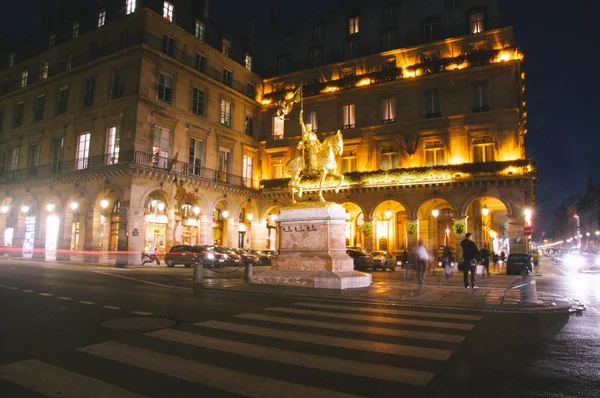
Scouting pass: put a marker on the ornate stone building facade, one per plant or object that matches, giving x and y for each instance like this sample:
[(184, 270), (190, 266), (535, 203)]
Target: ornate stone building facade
[(150, 126)]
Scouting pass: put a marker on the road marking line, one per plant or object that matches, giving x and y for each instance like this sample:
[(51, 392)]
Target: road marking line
[(393, 312), (449, 338), (208, 375), (380, 319), (364, 345), (2, 285), (142, 313), (13, 288), (356, 368), (53, 381), (46, 294), (28, 291), (110, 307), (86, 302), (64, 298), (143, 281)]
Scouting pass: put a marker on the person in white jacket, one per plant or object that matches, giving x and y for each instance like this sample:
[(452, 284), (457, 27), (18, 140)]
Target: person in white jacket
[(421, 259)]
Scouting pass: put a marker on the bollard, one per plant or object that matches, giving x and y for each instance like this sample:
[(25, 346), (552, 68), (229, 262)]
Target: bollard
[(248, 271), (198, 268)]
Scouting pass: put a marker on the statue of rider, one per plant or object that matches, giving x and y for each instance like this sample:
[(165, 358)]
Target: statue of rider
[(310, 146)]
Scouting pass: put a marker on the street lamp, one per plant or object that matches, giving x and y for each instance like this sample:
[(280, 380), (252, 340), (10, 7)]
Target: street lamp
[(50, 207), (435, 213), (24, 208), (250, 216), (485, 210), (104, 203), (196, 210), (74, 205), (4, 209), (225, 213)]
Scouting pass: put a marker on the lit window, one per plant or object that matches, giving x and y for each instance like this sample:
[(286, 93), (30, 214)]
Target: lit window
[(24, 77), (388, 108), (75, 29), (389, 158), (476, 22), (434, 153), (432, 103), (348, 162), (195, 156), (83, 150), (226, 113), (348, 116), (312, 119), (44, 70), (161, 147), (247, 171), (101, 18), (11, 59), (168, 11), (63, 100), (40, 103), (52, 41), (130, 6), (226, 47), (249, 124), (277, 167), (113, 144), (278, 124), (227, 76), (224, 155), (200, 30), (481, 101), (248, 62), (165, 88), (198, 101), (353, 25), (388, 41), (483, 149)]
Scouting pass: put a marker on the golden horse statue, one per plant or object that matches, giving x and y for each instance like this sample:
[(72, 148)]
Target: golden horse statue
[(325, 164)]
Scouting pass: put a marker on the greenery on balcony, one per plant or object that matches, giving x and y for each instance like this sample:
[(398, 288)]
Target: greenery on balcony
[(416, 175)]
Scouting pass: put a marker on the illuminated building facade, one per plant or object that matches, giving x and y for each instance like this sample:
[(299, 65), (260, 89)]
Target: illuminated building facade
[(143, 123)]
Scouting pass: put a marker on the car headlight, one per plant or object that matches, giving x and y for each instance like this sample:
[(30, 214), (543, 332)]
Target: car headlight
[(210, 256), (597, 260), (225, 256)]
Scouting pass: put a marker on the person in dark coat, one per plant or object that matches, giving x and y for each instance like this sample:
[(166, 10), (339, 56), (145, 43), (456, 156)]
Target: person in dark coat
[(485, 260), (470, 252)]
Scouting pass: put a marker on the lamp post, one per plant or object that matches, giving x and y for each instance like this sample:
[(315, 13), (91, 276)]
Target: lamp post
[(578, 232)]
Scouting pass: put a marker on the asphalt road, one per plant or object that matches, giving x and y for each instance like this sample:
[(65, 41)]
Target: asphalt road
[(85, 331)]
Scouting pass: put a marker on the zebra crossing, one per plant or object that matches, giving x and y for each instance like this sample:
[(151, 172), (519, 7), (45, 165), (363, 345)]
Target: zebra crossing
[(303, 349)]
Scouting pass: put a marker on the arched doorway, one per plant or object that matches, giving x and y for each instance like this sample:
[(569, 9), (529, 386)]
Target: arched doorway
[(156, 221), (389, 227), (436, 227), (356, 231), (115, 216), (189, 219), (487, 220), (29, 212)]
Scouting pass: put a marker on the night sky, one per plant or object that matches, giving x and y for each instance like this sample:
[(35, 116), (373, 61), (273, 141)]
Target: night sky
[(559, 39)]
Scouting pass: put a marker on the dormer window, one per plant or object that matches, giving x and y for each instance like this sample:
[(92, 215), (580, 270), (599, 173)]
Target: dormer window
[(477, 22), (75, 29), (226, 47), (130, 6), (11, 59), (353, 25), (168, 10), (101, 18)]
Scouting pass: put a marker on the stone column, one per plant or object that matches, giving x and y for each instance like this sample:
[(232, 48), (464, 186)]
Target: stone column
[(232, 232), (368, 238), (123, 258), (258, 235), (414, 238), (63, 242), (135, 242), (204, 230), (170, 232), (458, 237), (518, 242), (91, 252)]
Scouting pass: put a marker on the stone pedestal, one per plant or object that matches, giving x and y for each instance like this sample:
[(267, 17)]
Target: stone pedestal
[(312, 250)]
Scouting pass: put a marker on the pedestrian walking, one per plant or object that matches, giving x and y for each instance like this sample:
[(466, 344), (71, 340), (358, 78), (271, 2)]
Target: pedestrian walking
[(502, 256), (495, 259), (471, 256), (405, 265), (485, 260), (447, 262), (421, 260)]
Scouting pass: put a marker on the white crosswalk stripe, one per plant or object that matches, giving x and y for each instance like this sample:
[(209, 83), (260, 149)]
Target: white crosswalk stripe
[(301, 338)]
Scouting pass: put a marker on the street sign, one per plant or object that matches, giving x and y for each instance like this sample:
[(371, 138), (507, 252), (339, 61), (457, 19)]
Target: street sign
[(527, 230)]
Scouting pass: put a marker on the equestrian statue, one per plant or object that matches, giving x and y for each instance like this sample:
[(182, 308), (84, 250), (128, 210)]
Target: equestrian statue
[(318, 158)]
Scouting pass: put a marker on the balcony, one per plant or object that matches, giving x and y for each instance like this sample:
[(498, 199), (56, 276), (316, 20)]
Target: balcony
[(127, 159)]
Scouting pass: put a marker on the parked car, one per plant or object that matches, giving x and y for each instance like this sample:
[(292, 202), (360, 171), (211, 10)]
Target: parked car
[(189, 255), (263, 258), (518, 262), (383, 260), (247, 257), (231, 257), (362, 259)]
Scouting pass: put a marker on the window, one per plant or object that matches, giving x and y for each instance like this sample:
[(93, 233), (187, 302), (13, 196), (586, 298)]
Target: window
[(11, 59), (317, 33), (350, 49), (130, 6), (161, 147), (249, 124), (226, 47), (69, 62), (348, 162), (168, 11), (113, 144), (227, 76), (248, 62), (18, 114), (168, 45), (250, 89), (389, 158), (44, 70), (94, 51), (277, 167), (63, 99), (123, 38), (200, 29), (477, 22), (390, 15), (23, 80), (225, 113), (432, 103), (247, 171), (198, 101), (431, 30), (388, 108), (353, 27), (51, 41), (283, 64), (315, 57), (75, 29), (278, 124), (14, 158), (200, 62), (83, 151), (40, 102), (483, 149), (312, 120), (388, 41), (348, 121), (117, 89), (165, 88), (224, 165), (57, 148), (481, 101), (195, 156), (434, 153), (101, 18), (88, 92)]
